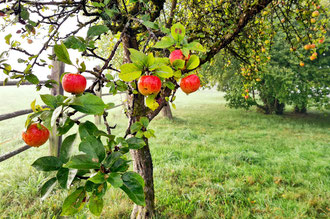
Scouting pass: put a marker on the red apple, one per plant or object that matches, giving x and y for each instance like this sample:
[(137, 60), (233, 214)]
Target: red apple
[(149, 84), (74, 83), (321, 40), (177, 54), (35, 135), (312, 46), (190, 84), (302, 64)]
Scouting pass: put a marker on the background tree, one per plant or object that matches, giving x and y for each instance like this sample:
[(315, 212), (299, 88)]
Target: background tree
[(277, 73), (238, 27)]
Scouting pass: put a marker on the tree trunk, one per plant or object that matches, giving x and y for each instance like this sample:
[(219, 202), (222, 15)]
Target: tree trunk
[(279, 107), (166, 111), (142, 161), (298, 109), (143, 165)]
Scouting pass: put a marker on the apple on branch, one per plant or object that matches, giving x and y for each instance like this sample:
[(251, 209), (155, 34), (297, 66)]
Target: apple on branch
[(35, 135), (74, 83), (149, 84)]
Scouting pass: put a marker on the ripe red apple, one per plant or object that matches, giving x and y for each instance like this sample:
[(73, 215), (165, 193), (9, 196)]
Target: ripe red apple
[(302, 64), (312, 46), (190, 84), (35, 135), (149, 84), (177, 54), (321, 40), (246, 96), (313, 57), (74, 83)]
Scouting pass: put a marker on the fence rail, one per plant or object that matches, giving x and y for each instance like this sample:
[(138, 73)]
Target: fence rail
[(14, 83)]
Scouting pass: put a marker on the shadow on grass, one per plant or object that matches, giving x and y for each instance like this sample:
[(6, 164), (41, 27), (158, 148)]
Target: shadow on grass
[(312, 118)]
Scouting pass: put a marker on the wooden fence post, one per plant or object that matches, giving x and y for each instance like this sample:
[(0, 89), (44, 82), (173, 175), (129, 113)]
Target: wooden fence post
[(54, 140), (98, 92)]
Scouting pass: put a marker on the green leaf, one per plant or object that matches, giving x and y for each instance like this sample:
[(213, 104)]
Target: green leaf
[(66, 148), (74, 202), (119, 165), (90, 104), (75, 43), (135, 143), (150, 24), (95, 205), (87, 129), (165, 42), (138, 58), (136, 126), (63, 129), (47, 188), (196, 46), (149, 133), (96, 30), (133, 186), (7, 38), (144, 121), (178, 32), (111, 159), (151, 102), (177, 74), (65, 177), (170, 85), (111, 12), (24, 14), (93, 147), (98, 178), (193, 62), (164, 71), (48, 163), (32, 78), (150, 60), (115, 180), (62, 54), (49, 100), (129, 72), (179, 64), (82, 162)]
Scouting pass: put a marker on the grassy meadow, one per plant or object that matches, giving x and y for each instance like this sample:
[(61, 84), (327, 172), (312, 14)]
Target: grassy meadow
[(209, 162)]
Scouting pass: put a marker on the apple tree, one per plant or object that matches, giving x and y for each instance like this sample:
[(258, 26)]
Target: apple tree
[(290, 67), (146, 34)]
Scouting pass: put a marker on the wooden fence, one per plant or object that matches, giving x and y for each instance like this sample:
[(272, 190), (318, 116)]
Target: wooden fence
[(54, 141)]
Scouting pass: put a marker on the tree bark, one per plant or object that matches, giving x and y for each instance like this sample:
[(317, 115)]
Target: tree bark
[(142, 161), (143, 165), (166, 111)]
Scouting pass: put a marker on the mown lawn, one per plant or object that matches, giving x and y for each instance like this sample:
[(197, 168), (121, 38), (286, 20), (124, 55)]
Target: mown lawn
[(210, 162)]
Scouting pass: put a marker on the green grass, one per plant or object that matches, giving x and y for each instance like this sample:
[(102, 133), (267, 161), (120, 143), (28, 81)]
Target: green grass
[(209, 162)]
